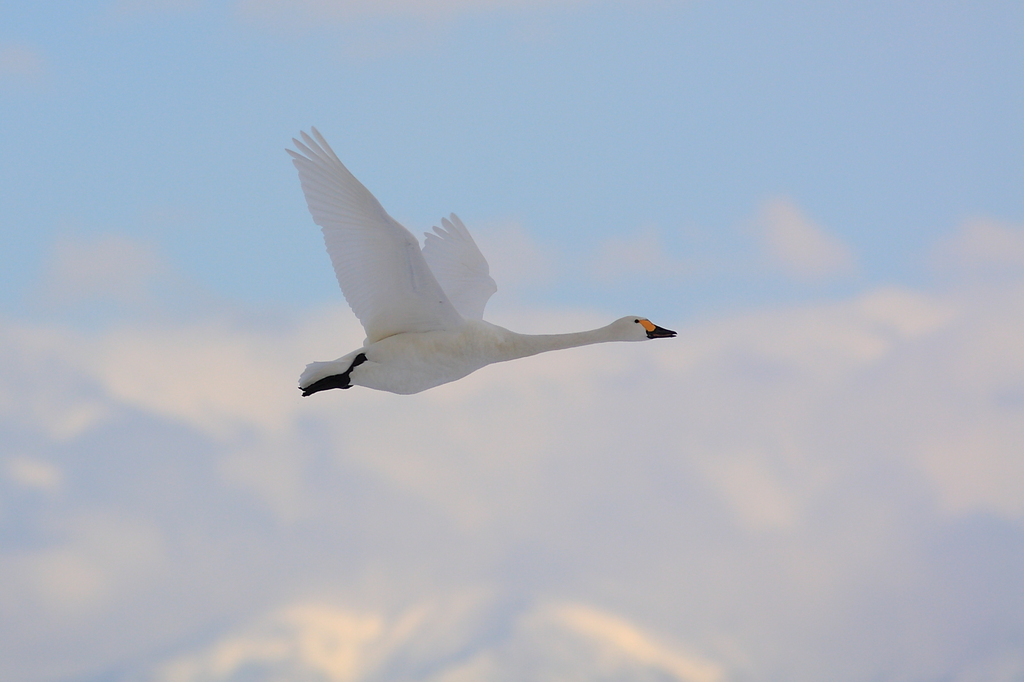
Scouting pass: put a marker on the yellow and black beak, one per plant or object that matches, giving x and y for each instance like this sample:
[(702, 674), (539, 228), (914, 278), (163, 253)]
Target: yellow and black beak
[(656, 332)]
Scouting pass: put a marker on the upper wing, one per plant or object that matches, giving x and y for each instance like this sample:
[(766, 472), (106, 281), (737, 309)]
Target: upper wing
[(378, 262), (459, 266)]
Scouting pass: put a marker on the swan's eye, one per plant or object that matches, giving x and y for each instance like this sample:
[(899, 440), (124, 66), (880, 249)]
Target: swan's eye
[(636, 321)]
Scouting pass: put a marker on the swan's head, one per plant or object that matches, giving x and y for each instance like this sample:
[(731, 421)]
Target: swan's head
[(639, 329)]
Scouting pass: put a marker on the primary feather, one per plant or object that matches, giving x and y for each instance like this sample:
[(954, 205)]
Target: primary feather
[(460, 268), (378, 262)]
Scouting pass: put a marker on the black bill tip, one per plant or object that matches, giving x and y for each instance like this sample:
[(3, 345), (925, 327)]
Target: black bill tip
[(660, 333)]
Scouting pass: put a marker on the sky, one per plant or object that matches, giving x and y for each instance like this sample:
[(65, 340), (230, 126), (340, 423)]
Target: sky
[(820, 478)]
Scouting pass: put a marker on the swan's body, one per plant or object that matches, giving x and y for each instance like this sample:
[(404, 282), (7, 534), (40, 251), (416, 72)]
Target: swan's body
[(422, 309)]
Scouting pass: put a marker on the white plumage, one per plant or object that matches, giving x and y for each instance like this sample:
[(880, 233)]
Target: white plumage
[(422, 310)]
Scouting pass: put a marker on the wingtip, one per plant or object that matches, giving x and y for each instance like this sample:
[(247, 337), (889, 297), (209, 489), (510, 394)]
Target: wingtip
[(461, 228), (304, 151), (315, 146)]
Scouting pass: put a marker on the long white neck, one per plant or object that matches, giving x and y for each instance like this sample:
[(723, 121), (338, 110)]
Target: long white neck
[(524, 345)]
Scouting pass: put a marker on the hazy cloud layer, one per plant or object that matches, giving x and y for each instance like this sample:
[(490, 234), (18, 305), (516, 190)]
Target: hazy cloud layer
[(515, 258), (34, 474), (799, 247), (830, 491), (428, 640), (780, 240), (107, 267), (21, 62), (982, 246), (641, 255)]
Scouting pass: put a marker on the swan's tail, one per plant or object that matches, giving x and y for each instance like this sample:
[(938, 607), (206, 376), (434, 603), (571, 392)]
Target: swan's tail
[(318, 370), (320, 376)]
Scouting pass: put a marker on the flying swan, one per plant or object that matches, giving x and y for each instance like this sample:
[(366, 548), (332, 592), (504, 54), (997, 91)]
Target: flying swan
[(422, 309)]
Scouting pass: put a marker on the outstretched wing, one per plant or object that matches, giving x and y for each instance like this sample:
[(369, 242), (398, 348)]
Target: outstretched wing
[(459, 266), (378, 262)]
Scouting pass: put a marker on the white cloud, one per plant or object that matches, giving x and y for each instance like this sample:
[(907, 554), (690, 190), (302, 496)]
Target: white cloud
[(300, 640), (982, 246), (800, 247), (272, 469), (906, 314), (100, 558), (108, 267), (227, 382), (215, 377), (41, 382), (641, 255), (324, 640), (971, 470), (1008, 667), (20, 62), (515, 259), (754, 493), (617, 633), (35, 474), (749, 489), (969, 416), (341, 645)]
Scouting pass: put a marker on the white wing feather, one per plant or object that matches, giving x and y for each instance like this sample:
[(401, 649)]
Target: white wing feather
[(459, 267), (378, 262)]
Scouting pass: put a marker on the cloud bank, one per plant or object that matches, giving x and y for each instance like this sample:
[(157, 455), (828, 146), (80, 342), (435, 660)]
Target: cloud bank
[(982, 246), (326, 642), (799, 247), (827, 491)]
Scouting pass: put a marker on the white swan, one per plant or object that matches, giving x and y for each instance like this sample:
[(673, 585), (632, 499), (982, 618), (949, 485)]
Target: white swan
[(422, 310)]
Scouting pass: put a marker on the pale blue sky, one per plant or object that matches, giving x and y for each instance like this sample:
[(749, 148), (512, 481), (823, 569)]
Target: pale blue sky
[(887, 123)]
